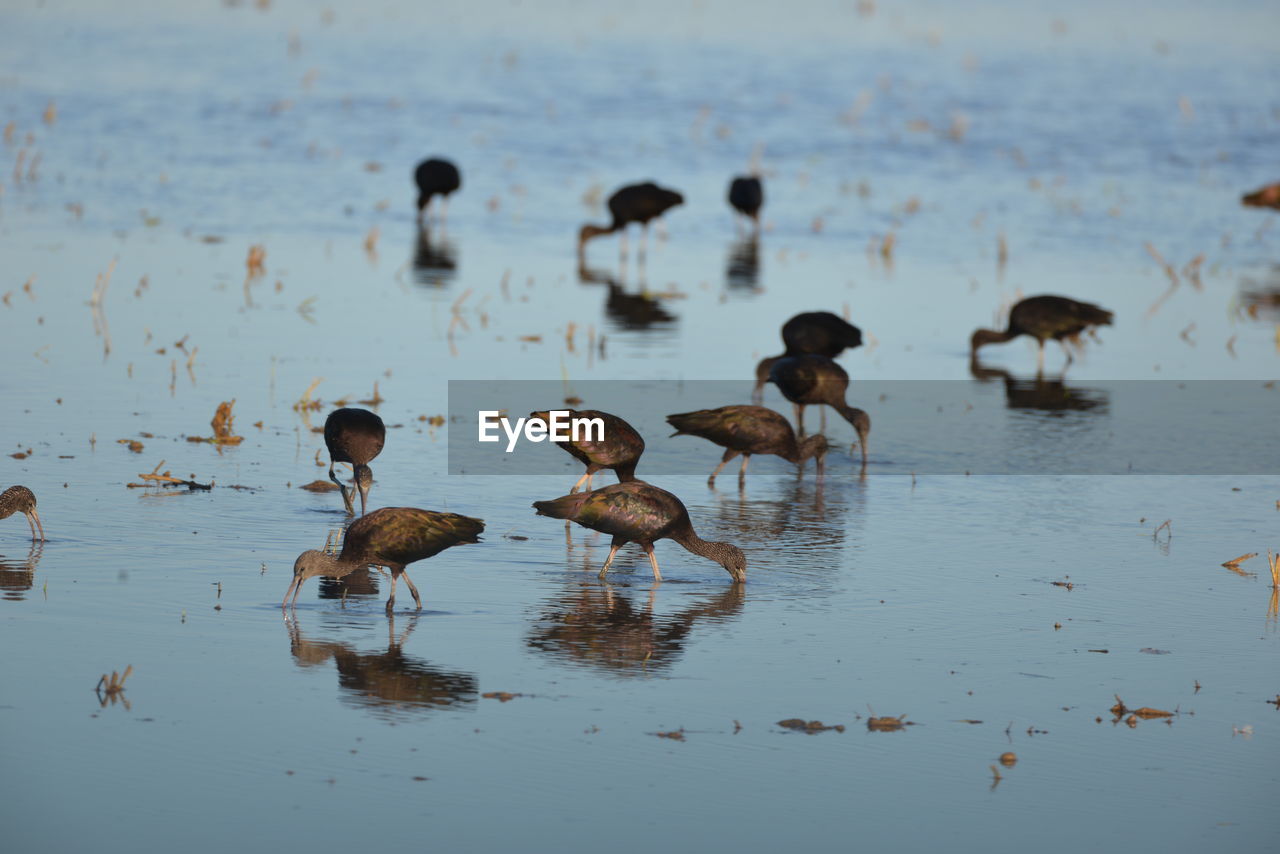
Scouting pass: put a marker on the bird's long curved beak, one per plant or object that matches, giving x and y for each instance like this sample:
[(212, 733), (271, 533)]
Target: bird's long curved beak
[(36, 516), (294, 587)]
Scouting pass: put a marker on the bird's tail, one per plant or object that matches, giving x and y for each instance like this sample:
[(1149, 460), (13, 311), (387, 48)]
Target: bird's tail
[(687, 423), (564, 507)]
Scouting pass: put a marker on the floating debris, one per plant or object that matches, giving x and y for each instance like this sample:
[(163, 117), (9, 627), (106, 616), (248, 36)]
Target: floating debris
[(320, 486), (223, 424), (1008, 759), (501, 696), (158, 478), (674, 735), (111, 689), (133, 444), (888, 723), (809, 727)]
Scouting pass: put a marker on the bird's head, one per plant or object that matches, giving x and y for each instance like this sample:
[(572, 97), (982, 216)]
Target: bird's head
[(982, 337), (814, 446), (734, 561), (588, 232), (364, 480), (309, 563)]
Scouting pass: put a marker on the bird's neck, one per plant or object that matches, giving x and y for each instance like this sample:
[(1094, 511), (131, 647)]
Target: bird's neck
[(703, 548), (992, 336)]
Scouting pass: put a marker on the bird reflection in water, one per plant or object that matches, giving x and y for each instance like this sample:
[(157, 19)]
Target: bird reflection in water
[(742, 272), (628, 311), (1260, 299), (17, 575), (435, 260), (1041, 393), (387, 683), (619, 632)]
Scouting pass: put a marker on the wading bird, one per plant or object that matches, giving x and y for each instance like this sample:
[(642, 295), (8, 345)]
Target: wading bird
[(393, 537), (639, 512), (19, 499), (619, 446), (633, 203), (749, 430), (354, 436), (746, 196), (435, 177), (818, 332), (1043, 318), (808, 380)]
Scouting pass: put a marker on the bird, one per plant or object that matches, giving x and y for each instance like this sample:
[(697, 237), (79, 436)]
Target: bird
[(19, 499), (1263, 197), (810, 379), (749, 430), (632, 203), (639, 512), (1042, 318), (435, 177), (746, 196), (393, 537), (819, 332), (619, 447), (354, 436)]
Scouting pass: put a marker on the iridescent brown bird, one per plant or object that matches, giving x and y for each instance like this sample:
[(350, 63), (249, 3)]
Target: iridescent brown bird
[(1042, 318), (1263, 197), (354, 436), (810, 379), (19, 499), (633, 203), (435, 177), (818, 332), (746, 196), (639, 512), (748, 430), (618, 447), (393, 537)]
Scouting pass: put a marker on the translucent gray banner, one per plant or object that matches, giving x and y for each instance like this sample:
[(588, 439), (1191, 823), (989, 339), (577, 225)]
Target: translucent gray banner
[(997, 424)]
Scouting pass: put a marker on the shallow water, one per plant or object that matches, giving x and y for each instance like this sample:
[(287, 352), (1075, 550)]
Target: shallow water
[(181, 140)]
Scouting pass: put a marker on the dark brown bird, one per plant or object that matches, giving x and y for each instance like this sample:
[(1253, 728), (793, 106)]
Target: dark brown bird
[(749, 430), (810, 379), (818, 332), (746, 196), (633, 203), (435, 177), (354, 436), (1264, 197), (639, 512), (393, 537), (1043, 318), (19, 499), (619, 447)]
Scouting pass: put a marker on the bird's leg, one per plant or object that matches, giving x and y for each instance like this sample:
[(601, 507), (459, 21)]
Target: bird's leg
[(612, 551), (586, 478), (1040, 360), (412, 589), (799, 419), (346, 499), (644, 241), (1067, 351), (822, 420), (653, 560), (729, 454), (444, 210), (742, 472)]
